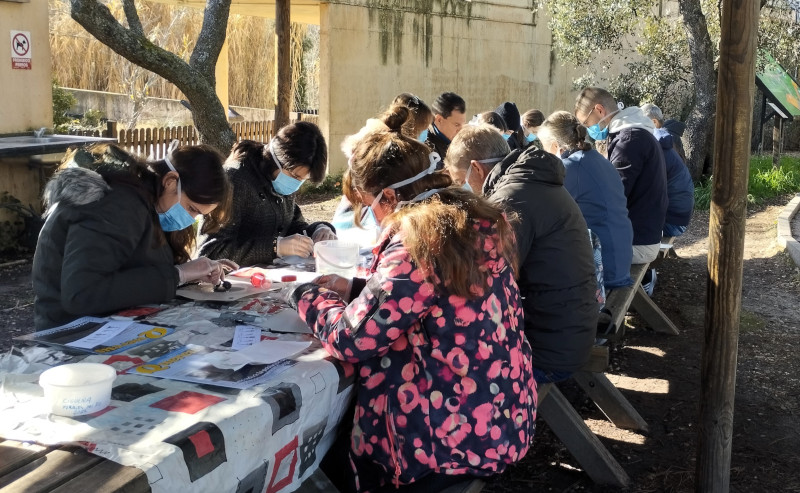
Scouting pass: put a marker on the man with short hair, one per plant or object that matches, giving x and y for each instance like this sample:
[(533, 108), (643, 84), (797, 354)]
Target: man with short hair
[(680, 188), (556, 266), (449, 117), (636, 154)]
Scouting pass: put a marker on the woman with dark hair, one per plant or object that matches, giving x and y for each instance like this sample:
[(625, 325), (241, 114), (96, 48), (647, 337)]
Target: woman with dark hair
[(266, 222), (445, 386), (531, 121), (510, 114), (422, 116), (119, 231)]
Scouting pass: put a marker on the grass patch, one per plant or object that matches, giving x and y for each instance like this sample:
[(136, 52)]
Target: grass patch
[(750, 322), (331, 185), (765, 181)]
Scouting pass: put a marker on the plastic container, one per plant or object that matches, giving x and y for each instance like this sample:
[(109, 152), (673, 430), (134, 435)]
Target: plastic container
[(77, 388), (259, 280), (336, 257)]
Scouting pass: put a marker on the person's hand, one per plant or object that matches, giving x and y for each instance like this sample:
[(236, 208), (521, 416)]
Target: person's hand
[(323, 233), (337, 284), (299, 245), (204, 269)]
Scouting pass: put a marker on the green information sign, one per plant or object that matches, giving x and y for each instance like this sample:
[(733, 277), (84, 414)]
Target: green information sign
[(779, 88)]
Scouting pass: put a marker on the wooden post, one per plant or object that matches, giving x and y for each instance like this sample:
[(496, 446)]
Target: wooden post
[(777, 141), (111, 129), (283, 32), (735, 92)]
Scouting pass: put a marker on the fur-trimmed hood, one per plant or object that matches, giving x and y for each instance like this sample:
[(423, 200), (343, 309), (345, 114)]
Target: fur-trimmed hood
[(74, 186)]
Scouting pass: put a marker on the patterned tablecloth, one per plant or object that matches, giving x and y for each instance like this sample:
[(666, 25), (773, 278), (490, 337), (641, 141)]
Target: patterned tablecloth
[(185, 436)]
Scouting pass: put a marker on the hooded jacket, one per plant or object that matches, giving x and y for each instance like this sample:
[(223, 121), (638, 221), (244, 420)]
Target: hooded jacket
[(98, 251), (259, 216), (595, 185), (680, 187), (557, 273), (445, 384), (637, 155)]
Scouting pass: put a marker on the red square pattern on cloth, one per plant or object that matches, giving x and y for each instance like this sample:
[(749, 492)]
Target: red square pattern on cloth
[(288, 452), (202, 443), (187, 402)]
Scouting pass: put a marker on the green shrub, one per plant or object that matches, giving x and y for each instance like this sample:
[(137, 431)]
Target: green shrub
[(63, 100), (765, 181), (91, 119), (331, 185)]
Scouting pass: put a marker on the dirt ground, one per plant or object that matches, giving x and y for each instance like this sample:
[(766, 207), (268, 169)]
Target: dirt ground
[(659, 374)]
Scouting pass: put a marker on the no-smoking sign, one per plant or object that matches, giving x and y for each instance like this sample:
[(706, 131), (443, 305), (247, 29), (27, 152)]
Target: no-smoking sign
[(21, 50)]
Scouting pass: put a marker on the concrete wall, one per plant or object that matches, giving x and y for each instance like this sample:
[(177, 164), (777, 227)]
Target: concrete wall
[(26, 100), (157, 112), (371, 50)]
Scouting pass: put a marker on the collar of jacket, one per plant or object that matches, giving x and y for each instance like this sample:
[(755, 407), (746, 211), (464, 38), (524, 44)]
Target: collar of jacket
[(530, 165), (435, 131)]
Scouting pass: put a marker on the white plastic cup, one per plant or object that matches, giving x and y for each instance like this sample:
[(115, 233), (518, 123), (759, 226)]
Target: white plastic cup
[(336, 257), (76, 389)]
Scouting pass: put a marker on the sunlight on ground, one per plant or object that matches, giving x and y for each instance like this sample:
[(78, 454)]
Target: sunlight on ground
[(649, 350), (649, 385), (606, 429)]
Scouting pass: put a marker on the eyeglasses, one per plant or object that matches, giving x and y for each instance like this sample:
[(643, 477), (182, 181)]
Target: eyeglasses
[(587, 116)]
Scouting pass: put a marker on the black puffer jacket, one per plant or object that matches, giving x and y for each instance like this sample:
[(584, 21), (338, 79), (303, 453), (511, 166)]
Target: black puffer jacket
[(556, 276), (98, 251), (437, 141), (259, 215)]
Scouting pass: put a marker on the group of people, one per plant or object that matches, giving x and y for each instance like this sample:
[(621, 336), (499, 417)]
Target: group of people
[(483, 283)]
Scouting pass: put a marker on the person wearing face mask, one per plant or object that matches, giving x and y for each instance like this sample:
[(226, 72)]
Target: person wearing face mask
[(120, 232), (493, 119), (266, 223), (597, 189), (510, 114), (531, 120), (637, 156), (557, 270), (436, 330), (414, 128)]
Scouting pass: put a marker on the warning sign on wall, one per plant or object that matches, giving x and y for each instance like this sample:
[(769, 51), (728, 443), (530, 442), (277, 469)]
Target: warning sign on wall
[(21, 50)]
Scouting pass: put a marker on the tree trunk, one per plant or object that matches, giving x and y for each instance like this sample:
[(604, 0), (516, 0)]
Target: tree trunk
[(194, 79), (284, 47), (700, 125)]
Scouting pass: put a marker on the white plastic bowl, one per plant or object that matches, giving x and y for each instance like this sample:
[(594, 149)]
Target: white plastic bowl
[(77, 388)]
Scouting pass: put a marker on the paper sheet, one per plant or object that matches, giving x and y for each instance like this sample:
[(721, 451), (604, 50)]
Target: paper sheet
[(108, 331), (245, 336), (263, 353), (205, 292)]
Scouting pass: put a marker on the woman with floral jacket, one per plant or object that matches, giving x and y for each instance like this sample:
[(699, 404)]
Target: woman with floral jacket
[(445, 389)]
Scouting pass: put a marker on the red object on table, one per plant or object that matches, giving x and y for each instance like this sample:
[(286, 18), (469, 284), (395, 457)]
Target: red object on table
[(289, 278), (259, 280)]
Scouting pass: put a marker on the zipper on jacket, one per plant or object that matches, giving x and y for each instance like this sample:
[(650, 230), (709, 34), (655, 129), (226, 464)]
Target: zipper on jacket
[(391, 432)]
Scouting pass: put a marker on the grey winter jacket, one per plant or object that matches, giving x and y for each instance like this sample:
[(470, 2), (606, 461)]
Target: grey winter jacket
[(557, 274), (98, 251)]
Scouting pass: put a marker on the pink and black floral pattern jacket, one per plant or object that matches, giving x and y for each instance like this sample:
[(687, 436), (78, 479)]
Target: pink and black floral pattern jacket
[(445, 383)]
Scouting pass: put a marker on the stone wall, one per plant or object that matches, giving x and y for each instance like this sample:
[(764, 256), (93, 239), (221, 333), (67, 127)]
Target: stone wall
[(487, 52)]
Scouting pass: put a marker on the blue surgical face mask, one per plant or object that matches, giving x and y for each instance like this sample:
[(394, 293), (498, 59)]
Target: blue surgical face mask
[(176, 218), (595, 132), (423, 136), (531, 137), (283, 183), (506, 136)]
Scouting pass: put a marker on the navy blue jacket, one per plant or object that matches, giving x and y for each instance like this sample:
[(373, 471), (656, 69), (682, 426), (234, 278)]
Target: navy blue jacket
[(636, 154), (595, 185), (680, 188)]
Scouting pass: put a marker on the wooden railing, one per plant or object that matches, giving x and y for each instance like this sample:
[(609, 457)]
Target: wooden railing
[(153, 142)]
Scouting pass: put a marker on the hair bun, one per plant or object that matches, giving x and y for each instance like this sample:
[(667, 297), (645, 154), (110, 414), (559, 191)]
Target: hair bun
[(395, 117)]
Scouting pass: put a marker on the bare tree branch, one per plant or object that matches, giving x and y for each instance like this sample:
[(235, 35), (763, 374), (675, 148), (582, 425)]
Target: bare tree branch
[(134, 24), (211, 38), (195, 80)]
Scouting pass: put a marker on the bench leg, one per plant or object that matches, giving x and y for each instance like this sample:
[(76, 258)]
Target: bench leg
[(584, 445), (651, 314), (610, 400)]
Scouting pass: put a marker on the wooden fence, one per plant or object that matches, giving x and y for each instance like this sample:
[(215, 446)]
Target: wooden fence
[(153, 142)]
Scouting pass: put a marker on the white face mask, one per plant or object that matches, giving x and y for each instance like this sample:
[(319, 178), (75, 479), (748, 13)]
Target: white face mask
[(466, 186), (435, 160)]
